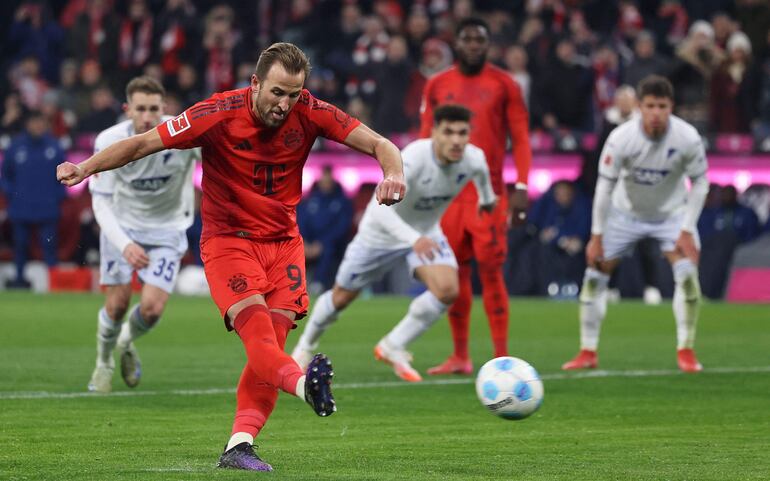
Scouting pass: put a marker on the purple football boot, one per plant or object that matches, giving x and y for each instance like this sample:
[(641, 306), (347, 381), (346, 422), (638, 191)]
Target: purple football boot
[(242, 456), (318, 385)]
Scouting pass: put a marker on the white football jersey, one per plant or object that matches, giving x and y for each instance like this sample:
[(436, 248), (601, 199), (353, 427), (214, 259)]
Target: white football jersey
[(430, 187), (650, 173), (155, 192)]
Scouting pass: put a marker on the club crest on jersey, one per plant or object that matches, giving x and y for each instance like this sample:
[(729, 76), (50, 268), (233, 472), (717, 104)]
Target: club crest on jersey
[(237, 283), (178, 124), (150, 184), (292, 138), (649, 176)]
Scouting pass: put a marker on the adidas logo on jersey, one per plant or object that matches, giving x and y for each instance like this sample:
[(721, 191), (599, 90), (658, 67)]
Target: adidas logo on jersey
[(245, 145)]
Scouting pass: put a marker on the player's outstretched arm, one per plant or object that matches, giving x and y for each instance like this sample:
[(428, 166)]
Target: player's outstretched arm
[(114, 156), (392, 188)]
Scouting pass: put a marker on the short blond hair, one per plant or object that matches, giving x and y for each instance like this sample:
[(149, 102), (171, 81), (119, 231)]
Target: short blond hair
[(146, 85)]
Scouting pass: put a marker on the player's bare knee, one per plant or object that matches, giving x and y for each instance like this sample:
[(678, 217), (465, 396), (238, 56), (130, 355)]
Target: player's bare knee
[(446, 292), (151, 311), (116, 306), (341, 297)]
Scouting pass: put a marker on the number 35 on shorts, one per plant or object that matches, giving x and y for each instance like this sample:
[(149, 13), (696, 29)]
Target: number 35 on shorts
[(165, 269)]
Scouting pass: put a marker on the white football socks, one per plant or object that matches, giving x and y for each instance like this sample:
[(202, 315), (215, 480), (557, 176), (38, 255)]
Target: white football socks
[(134, 328), (323, 315), (424, 310), (686, 302), (593, 307), (239, 438), (107, 331)]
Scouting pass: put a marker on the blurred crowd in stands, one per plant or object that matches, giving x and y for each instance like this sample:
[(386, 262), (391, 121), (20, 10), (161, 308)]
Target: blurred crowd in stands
[(66, 64)]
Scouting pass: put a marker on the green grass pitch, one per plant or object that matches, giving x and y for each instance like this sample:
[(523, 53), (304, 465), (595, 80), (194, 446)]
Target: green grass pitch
[(638, 420)]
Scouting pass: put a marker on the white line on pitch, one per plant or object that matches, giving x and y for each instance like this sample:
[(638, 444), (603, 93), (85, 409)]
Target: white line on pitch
[(11, 395)]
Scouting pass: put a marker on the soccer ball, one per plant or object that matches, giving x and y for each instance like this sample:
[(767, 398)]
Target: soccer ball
[(509, 387)]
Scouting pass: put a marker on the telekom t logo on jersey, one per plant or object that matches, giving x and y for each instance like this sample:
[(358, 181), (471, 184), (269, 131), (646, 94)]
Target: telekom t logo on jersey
[(178, 124)]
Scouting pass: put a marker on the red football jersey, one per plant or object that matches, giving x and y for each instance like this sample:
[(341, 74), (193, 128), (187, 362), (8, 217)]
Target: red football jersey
[(252, 174), (498, 110)]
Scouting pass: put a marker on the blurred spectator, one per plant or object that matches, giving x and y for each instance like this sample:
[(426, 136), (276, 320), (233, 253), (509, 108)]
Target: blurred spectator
[(12, 120), (58, 122), (696, 60), (187, 85), (221, 44), (103, 112), (724, 27), (371, 49), (324, 218), (417, 30), (670, 24), (243, 74), (34, 195), (762, 126), (34, 33), (734, 88), (135, 43), (302, 27), (537, 44), (340, 45), (562, 108), (90, 80), (754, 18), (392, 77), (359, 109), (516, 63), (606, 74), (436, 56), (95, 34), (66, 91), (624, 108), (392, 14), (562, 219), (646, 61), (723, 225), (153, 70), (26, 79), (176, 36)]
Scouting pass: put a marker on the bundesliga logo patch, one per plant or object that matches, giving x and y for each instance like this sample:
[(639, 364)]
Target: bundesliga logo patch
[(178, 124)]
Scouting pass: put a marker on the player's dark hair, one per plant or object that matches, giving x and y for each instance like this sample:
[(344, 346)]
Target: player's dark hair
[(291, 57), (451, 113), (146, 85), (471, 22), (656, 86)]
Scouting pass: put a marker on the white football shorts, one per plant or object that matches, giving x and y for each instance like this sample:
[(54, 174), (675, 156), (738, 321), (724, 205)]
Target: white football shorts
[(622, 231), (363, 264), (165, 250)]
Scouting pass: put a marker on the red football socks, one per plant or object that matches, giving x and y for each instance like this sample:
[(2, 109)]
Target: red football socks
[(459, 313), (495, 297), (256, 398)]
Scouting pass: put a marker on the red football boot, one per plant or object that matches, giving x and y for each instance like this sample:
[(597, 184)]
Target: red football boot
[(687, 361), (585, 359), (453, 365)]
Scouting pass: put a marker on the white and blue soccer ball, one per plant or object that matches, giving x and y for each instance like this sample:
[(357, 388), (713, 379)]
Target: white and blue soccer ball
[(509, 387)]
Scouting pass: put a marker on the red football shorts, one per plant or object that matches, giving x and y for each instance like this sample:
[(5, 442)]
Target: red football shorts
[(471, 234), (237, 268)]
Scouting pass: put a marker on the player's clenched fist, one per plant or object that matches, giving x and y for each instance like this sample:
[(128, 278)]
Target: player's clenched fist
[(391, 189), (69, 174)]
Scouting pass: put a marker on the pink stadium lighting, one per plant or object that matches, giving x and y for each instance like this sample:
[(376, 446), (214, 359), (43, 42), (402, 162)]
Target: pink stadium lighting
[(354, 170)]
